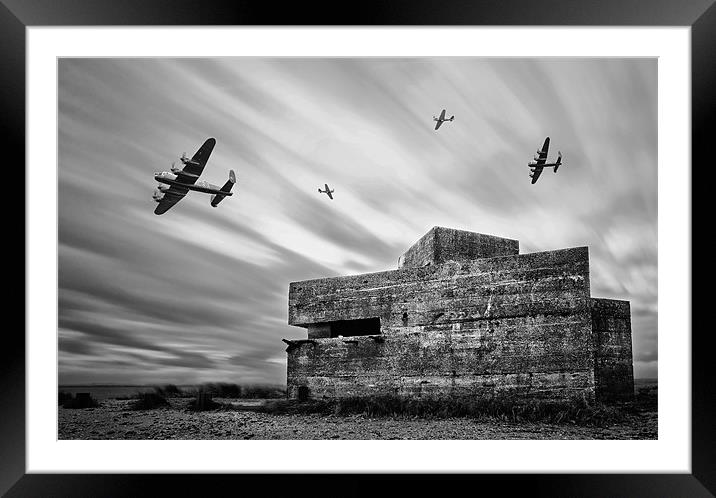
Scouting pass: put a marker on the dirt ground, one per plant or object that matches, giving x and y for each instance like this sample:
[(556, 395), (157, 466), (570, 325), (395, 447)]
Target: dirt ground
[(115, 420)]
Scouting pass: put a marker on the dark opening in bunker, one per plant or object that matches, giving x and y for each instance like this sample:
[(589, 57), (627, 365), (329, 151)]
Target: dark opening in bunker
[(302, 393), (347, 328)]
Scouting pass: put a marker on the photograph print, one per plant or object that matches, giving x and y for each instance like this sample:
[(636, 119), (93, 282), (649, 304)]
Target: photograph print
[(451, 248)]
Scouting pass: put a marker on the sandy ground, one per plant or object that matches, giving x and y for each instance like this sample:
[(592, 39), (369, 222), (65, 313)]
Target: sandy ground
[(115, 420)]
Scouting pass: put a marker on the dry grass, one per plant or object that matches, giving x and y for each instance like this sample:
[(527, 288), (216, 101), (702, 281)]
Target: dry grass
[(223, 390), (580, 413), (63, 397), (203, 403), (79, 402), (148, 401)]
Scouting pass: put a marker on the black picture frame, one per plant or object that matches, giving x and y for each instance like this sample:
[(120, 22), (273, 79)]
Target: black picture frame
[(16, 15)]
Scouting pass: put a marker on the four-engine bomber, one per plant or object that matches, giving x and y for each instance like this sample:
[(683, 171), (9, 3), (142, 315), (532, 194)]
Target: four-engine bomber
[(175, 184)]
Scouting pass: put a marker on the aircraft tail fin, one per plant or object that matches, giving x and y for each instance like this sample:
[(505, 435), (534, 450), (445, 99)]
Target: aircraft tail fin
[(559, 161), (452, 118), (217, 198), (230, 182)]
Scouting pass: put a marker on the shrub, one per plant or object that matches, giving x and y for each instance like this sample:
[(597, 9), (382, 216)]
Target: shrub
[(262, 392), (63, 397), (168, 390), (148, 401), (81, 400), (294, 407), (647, 398), (203, 402), (221, 389)]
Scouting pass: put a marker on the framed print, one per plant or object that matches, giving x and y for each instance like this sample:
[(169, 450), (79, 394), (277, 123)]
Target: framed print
[(273, 236)]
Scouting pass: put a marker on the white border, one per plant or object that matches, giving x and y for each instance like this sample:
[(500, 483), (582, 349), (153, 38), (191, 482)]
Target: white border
[(671, 453)]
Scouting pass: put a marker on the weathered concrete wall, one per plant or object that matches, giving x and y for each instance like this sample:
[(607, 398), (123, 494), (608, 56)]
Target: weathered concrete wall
[(614, 373), (507, 325), (441, 244), (553, 282), (541, 359), (422, 253)]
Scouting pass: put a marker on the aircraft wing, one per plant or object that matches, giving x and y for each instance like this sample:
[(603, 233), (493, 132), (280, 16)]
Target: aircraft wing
[(171, 197), (437, 125), (535, 174), (442, 115), (329, 194), (543, 152), (198, 161)]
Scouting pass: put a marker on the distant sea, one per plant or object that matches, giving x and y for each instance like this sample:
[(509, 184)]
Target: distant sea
[(105, 392)]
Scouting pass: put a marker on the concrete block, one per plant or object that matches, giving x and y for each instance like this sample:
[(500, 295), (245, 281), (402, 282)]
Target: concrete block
[(441, 244)]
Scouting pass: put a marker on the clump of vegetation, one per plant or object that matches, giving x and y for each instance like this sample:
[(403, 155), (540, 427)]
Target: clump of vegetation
[(203, 402), (168, 390), (63, 397), (125, 397), (221, 389), (295, 407), (173, 391), (262, 392), (579, 413), (647, 398), (148, 401), (236, 391), (80, 400)]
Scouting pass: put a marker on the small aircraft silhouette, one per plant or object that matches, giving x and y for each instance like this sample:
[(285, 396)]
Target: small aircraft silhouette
[(327, 191), (540, 162), (175, 184), (442, 119)]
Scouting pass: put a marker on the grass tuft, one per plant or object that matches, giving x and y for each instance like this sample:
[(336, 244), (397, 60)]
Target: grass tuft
[(80, 400), (169, 391), (236, 391), (203, 402), (647, 398), (295, 407), (216, 390), (148, 401), (63, 397), (262, 392)]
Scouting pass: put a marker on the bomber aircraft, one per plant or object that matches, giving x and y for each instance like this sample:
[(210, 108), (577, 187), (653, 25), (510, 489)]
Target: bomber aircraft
[(540, 162), (442, 119), (327, 191), (175, 184)]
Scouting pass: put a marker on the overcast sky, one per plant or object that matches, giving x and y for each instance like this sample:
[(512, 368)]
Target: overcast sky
[(200, 294)]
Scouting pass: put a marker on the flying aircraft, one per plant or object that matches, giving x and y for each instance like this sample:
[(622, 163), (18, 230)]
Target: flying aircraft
[(175, 184), (441, 119), (540, 162), (327, 191)]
